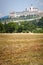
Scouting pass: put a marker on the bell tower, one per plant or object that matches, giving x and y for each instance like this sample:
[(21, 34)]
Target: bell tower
[(31, 8)]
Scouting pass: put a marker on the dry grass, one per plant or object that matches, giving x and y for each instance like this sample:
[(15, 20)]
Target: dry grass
[(21, 49)]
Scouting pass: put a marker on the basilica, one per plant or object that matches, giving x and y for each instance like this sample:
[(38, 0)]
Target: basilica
[(28, 11)]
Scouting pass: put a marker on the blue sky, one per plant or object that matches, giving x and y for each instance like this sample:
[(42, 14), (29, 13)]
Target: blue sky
[(7, 6)]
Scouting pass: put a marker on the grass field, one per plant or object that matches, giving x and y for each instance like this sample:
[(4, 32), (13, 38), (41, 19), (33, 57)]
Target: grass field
[(21, 49)]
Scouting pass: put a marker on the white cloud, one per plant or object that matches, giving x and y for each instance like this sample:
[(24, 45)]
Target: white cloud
[(1, 14)]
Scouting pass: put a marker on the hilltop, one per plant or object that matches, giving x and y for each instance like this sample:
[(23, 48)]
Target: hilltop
[(28, 13)]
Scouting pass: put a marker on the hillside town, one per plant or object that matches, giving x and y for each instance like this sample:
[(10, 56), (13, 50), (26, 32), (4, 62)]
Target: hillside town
[(28, 11)]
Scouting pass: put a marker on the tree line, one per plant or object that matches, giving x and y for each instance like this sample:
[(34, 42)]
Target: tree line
[(35, 26)]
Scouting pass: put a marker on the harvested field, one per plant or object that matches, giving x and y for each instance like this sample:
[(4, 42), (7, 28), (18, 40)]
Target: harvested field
[(21, 49)]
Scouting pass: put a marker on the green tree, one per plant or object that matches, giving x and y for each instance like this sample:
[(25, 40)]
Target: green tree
[(10, 27), (1, 28), (40, 23)]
